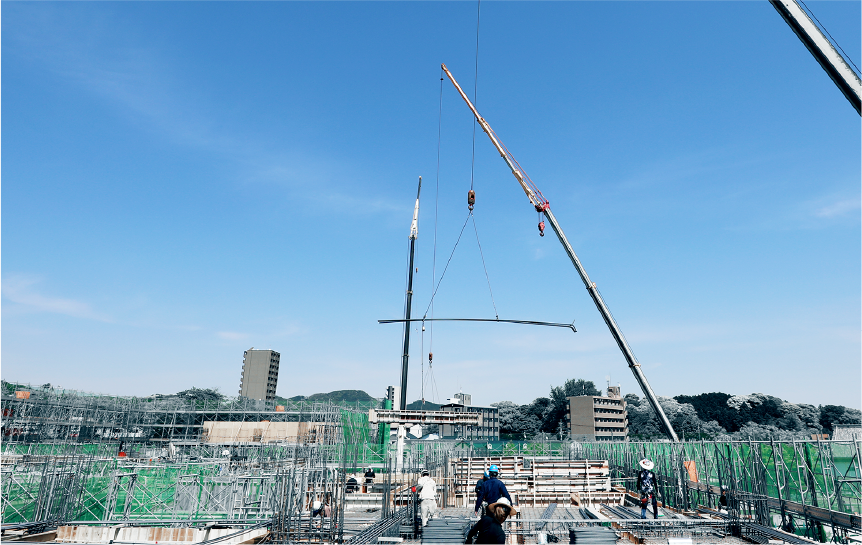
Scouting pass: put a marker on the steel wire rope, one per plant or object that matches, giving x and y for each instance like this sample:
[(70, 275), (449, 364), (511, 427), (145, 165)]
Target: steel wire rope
[(422, 375), (475, 91), (434, 294), (834, 41), (436, 206), (496, 314)]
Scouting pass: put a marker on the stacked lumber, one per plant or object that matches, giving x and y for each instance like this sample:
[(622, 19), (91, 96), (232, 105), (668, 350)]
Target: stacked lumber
[(537, 482)]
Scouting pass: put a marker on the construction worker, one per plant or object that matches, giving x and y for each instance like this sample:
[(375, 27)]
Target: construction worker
[(317, 510), (492, 490), (481, 482), (647, 487), (369, 480), (490, 526), (427, 495)]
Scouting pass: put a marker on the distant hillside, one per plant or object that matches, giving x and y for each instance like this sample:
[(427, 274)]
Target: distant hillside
[(417, 406), (338, 396)]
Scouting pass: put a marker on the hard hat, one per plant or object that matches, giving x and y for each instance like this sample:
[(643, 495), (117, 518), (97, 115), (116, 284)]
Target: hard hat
[(494, 469), (503, 502), (486, 472), (425, 472)]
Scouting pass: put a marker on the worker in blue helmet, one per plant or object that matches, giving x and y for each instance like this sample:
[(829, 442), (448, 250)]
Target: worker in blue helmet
[(480, 483), (492, 490)]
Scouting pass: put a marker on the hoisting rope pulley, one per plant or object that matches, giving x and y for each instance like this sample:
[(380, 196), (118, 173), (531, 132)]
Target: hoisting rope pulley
[(541, 228), (471, 199)]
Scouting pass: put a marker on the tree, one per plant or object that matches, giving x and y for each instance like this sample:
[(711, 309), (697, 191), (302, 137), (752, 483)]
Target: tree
[(713, 406), (644, 423), (201, 394), (510, 417)]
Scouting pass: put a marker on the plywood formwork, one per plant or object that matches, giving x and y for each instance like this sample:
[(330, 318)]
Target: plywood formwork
[(538, 482)]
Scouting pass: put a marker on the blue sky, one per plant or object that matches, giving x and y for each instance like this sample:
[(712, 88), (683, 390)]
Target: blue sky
[(182, 181)]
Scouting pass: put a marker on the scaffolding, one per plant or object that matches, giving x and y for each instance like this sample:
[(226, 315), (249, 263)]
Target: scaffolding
[(100, 461), (60, 416), (812, 488)]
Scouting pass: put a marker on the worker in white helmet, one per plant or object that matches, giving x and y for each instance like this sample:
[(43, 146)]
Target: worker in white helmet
[(427, 495)]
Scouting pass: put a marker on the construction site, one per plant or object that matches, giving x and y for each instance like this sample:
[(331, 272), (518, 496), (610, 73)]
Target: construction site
[(89, 468)]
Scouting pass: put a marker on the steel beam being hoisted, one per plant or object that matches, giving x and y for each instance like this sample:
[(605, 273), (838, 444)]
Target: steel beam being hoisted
[(414, 232), (822, 49), (541, 205)]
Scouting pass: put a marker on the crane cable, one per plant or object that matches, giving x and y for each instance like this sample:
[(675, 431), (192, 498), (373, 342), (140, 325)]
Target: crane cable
[(475, 90), (482, 255), (434, 294), (434, 259)]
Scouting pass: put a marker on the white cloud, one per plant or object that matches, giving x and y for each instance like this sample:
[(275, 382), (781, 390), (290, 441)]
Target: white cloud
[(19, 289), (838, 208)]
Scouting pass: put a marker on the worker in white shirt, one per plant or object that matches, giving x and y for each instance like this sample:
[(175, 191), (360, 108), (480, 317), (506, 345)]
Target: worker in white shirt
[(428, 496)]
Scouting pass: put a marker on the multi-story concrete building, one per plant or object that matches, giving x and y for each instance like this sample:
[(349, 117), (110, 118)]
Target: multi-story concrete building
[(489, 430), (259, 374), (464, 399), (600, 418)]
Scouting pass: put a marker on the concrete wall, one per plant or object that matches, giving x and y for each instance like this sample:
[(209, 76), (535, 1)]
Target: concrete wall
[(139, 534), (604, 418), (581, 416), (260, 432)]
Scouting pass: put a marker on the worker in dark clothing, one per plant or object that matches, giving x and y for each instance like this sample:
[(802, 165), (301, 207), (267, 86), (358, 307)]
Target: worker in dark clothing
[(646, 487), (490, 527), (492, 490), (481, 482), (369, 480)]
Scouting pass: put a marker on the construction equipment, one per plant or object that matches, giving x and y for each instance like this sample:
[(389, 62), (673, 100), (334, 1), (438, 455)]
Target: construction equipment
[(541, 204), (822, 49), (414, 232)]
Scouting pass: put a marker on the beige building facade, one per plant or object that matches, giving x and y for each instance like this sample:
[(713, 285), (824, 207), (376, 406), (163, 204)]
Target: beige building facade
[(600, 418), (259, 374)]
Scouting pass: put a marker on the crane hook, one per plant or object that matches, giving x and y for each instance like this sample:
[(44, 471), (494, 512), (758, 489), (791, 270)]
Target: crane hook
[(471, 199), (541, 228)]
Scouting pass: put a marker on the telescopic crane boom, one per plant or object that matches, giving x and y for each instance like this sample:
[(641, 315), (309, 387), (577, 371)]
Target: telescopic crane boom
[(541, 204), (822, 49), (405, 354)]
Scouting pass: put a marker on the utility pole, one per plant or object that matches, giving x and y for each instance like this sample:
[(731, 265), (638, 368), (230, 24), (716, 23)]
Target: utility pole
[(414, 232)]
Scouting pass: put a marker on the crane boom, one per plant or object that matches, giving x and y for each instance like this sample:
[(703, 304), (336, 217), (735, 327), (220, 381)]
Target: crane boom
[(822, 49), (405, 354), (541, 204)]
